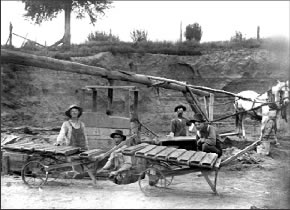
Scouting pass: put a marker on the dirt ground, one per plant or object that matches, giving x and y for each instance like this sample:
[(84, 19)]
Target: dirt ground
[(240, 186)]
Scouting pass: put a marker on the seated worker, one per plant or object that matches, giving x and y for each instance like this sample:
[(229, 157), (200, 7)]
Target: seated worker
[(117, 162), (207, 137)]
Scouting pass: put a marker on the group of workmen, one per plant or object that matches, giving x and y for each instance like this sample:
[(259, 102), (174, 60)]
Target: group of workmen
[(73, 133)]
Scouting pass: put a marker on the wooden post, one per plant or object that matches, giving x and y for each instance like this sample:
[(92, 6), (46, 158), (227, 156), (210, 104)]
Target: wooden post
[(110, 101), (110, 98), (196, 103), (258, 33), (10, 35), (127, 103), (206, 105), (95, 94), (210, 107), (135, 125), (190, 101), (83, 98)]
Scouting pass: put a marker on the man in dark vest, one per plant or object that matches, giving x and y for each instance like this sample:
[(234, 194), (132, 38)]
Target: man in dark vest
[(179, 123), (207, 137)]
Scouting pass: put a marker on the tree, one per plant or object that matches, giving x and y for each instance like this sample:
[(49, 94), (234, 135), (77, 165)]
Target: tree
[(45, 10), (139, 35), (238, 37), (193, 31)]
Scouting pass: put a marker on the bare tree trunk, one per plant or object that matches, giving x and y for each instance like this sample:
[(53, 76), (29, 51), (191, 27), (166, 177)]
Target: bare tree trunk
[(67, 14), (20, 58)]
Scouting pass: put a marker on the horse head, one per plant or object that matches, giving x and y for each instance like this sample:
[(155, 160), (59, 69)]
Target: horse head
[(279, 94)]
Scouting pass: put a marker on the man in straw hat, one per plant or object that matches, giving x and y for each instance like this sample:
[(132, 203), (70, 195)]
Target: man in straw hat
[(179, 123), (73, 133), (117, 162), (207, 137)]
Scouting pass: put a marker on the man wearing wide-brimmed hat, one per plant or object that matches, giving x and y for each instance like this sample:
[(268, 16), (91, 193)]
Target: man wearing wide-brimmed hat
[(207, 137), (117, 162), (73, 132), (179, 124)]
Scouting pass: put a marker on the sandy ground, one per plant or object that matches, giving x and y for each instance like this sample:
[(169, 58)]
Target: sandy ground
[(265, 185)]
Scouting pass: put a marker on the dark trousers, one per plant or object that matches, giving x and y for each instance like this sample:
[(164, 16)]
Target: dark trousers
[(209, 148)]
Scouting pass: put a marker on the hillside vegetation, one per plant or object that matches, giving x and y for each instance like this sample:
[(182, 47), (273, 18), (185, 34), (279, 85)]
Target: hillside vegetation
[(186, 48)]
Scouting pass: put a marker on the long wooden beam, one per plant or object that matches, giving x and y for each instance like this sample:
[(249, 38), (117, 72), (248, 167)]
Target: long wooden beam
[(21, 58)]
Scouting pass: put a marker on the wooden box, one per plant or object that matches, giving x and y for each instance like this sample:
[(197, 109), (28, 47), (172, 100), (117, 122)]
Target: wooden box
[(13, 161)]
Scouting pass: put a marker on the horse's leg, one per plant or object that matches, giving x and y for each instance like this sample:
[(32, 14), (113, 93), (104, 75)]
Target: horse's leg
[(243, 127), (275, 131), (263, 123), (238, 130)]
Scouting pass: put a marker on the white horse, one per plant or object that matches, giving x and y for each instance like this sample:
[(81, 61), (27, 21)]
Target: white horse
[(277, 99)]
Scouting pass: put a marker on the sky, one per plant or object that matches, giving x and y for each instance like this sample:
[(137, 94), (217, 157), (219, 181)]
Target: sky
[(162, 20)]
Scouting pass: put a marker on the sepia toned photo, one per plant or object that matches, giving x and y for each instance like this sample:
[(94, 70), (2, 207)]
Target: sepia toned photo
[(145, 104)]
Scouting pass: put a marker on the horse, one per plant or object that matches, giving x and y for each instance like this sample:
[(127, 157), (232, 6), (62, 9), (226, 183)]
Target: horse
[(266, 107)]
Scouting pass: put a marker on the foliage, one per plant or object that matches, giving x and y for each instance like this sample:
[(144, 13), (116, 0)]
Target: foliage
[(193, 32), (102, 36), (43, 10), (187, 48), (139, 35), (238, 37)]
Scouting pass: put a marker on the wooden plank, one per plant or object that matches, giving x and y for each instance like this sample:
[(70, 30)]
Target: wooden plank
[(46, 148), (141, 152), (152, 153), (43, 148), (185, 157), (94, 105), (195, 160), (208, 160), (91, 152), (217, 163), (25, 147), (97, 120), (16, 146), (67, 150), (36, 146), (26, 59), (165, 153), (113, 87), (174, 155), (177, 138), (133, 149)]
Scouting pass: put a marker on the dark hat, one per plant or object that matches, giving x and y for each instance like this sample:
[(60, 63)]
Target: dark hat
[(74, 106), (118, 132), (180, 106), (197, 118)]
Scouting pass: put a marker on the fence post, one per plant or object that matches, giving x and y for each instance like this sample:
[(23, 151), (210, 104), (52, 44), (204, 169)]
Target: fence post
[(258, 33), (10, 35)]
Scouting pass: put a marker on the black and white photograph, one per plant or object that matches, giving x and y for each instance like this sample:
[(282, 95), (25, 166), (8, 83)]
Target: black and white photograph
[(145, 104)]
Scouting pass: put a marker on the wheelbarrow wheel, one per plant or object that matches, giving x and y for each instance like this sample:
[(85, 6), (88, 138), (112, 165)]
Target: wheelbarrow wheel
[(34, 174), (163, 166), (151, 181), (55, 173)]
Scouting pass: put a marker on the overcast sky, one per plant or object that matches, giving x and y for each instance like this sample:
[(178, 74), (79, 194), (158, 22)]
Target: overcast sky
[(161, 19)]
